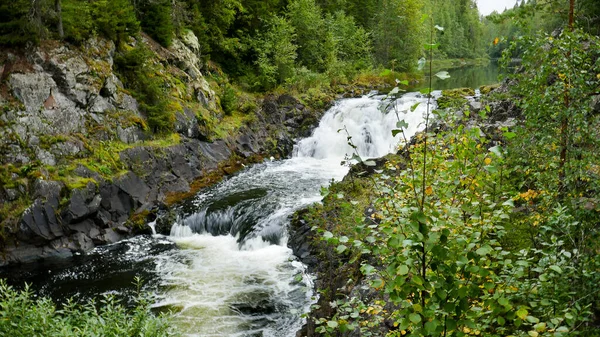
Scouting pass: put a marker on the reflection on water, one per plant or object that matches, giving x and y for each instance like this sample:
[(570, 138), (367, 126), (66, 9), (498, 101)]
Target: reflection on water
[(470, 77)]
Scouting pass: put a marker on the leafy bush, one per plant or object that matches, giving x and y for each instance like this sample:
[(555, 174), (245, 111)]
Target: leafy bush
[(156, 21), (140, 75), (15, 28), (315, 42), (77, 20), (352, 43), (229, 100), (276, 53), (115, 19), (23, 315)]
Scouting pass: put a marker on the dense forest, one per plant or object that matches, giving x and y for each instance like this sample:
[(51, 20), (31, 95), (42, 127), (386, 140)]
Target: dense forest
[(263, 43), (484, 224)]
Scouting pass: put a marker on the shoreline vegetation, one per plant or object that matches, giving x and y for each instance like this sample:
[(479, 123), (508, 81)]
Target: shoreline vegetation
[(477, 242)]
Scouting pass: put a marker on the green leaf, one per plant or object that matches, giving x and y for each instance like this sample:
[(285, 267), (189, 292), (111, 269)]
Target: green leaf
[(403, 82), (403, 270), (367, 269), (413, 108), (501, 320), (394, 91), (533, 333), (340, 249), (327, 235), (431, 326), (491, 168), (503, 301), (401, 124), (421, 63), (540, 327), (509, 135), (484, 250), (522, 313), (497, 150), (419, 216), (425, 91), (332, 324), (556, 269), (415, 318), (370, 163), (430, 46), (377, 283), (442, 75), (344, 239), (532, 319), (395, 132)]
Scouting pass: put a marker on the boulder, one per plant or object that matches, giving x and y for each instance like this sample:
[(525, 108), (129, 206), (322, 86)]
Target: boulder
[(32, 89), (39, 223)]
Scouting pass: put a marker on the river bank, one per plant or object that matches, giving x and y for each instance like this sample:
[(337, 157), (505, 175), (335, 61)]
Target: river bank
[(329, 237)]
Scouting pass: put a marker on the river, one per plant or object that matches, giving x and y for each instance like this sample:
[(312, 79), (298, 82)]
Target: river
[(225, 268)]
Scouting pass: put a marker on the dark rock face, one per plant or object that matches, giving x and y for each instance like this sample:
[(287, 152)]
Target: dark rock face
[(99, 213)]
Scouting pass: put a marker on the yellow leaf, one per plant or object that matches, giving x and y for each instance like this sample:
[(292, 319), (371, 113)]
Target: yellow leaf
[(487, 160), (496, 40), (428, 190)]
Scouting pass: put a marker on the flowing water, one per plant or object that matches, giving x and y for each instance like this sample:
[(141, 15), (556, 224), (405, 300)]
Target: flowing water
[(225, 267)]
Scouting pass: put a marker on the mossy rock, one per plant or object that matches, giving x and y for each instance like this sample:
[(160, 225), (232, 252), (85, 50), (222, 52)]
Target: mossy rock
[(454, 98), (458, 92), (486, 89)]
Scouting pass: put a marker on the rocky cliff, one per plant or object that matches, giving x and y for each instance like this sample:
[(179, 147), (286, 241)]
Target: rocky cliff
[(79, 166)]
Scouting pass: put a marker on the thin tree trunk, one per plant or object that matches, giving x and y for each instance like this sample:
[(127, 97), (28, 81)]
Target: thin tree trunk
[(564, 122), (59, 25), (35, 15)]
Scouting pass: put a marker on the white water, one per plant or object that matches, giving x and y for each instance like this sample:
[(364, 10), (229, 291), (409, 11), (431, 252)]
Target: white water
[(245, 282)]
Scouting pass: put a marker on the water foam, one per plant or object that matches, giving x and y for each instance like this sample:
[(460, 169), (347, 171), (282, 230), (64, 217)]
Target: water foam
[(245, 281)]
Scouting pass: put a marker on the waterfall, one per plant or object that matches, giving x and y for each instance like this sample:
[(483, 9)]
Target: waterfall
[(369, 122), (238, 278)]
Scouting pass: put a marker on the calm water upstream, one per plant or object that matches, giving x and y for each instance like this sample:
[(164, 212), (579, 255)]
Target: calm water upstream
[(470, 77), (225, 267)]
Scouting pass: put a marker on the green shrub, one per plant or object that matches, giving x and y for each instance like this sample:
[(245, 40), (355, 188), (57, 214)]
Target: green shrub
[(77, 20), (115, 19), (276, 54), (140, 75), (23, 314), (228, 100), (15, 29), (155, 17)]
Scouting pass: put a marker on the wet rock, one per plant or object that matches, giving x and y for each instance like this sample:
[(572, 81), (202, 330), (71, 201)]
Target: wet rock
[(39, 223), (111, 236), (132, 185), (24, 253), (475, 105), (77, 209), (81, 242)]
